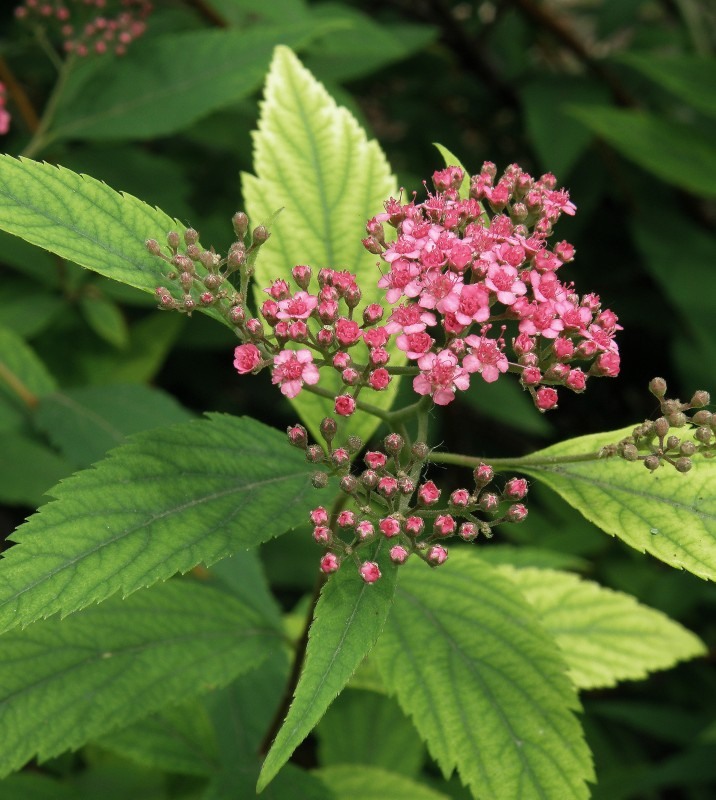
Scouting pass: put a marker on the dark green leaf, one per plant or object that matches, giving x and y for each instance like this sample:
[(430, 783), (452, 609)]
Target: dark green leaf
[(28, 469)]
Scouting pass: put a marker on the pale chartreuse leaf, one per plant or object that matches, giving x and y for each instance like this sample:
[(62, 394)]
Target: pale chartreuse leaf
[(604, 636), (483, 682), (166, 501), (380, 734), (676, 152), (83, 220), (690, 78), (667, 514), (150, 92), (178, 739), (352, 781), (314, 161), (64, 682), (347, 621), (86, 422)]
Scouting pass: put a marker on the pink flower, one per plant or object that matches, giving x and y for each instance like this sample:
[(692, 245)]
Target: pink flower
[(415, 344), (546, 398), (293, 368), (542, 319), (369, 571), (403, 279), (246, 358), (379, 379), (474, 305), (576, 380), (486, 357), (299, 306), (345, 405), (607, 364), (410, 318), (376, 337), (319, 516), (375, 459), (439, 377), (347, 332), (441, 291), (505, 282)]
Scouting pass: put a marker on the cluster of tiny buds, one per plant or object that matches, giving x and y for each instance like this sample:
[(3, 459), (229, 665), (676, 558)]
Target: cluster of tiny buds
[(202, 276), (90, 26), (654, 444), (389, 500)]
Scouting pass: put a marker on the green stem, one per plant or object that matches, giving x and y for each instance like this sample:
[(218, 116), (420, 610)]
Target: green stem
[(41, 137), (524, 462)]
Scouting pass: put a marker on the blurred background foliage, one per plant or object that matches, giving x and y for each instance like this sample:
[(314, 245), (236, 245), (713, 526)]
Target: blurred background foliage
[(616, 97)]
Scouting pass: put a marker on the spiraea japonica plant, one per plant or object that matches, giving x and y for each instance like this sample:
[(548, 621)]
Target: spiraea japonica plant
[(370, 309)]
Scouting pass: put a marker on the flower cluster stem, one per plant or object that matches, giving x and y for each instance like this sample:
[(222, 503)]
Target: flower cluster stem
[(516, 462)]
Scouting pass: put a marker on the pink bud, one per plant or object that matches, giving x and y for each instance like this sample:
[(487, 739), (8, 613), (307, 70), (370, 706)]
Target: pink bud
[(563, 348), (341, 360), (516, 513), (576, 380), (379, 379), (350, 376), (489, 502), (389, 527), (254, 327), (388, 486), (483, 474), (319, 516), (365, 529), (322, 534), (531, 376), (444, 525), (379, 356), (467, 531), (460, 498), (325, 337), (375, 459), (298, 331), (297, 436), (302, 275), (516, 489), (345, 405), (546, 398), (398, 554), (340, 457), (414, 526), (246, 358), (372, 313), (346, 519), (347, 332), (428, 494), (369, 571), (329, 563), (437, 555)]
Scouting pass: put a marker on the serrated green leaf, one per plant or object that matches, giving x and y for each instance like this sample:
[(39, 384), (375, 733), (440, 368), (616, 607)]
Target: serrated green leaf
[(677, 153), (179, 739), (525, 556), (63, 682), (314, 161), (85, 423), (83, 220), (348, 619), (605, 636), (168, 500), (28, 469), (106, 319), (690, 77), (667, 514), (349, 782), (380, 734), (150, 92), (484, 683)]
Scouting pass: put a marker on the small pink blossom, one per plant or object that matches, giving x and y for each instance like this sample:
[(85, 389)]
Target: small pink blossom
[(246, 358), (415, 344), (437, 555), (607, 364), (376, 337), (341, 360), (474, 305), (504, 281), (369, 571), (293, 368), (388, 486), (576, 380), (410, 318), (347, 332), (379, 379), (428, 494), (516, 513), (379, 356), (546, 398), (460, 498), (319, 516), (375, 459), (439, 376), (299, 306), (322, 534), (486, 357), (542, 319), (441, 291)]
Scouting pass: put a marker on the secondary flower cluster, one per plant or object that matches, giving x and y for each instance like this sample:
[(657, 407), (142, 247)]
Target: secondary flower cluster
[(654, 444), (456, 274), (4, 113), (390, 501), (90, 26)]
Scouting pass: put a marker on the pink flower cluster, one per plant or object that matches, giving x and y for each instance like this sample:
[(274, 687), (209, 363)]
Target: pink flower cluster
[(388, 503), (455, 272), (91, 26), (4, 113)]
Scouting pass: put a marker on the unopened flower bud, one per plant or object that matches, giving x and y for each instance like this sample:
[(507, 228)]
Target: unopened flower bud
[(254, 327), (240, 223), (460, 498), (652, 462), (173, 240), (314, 454), (345, 405), (393, 443), (516, 513), (319, 516), (444, 525), (352, 296), (237, 315), (405, 485), (672, 442), (349, 484), (189, 302), (365, 529), (389, 527), (328, 428), (489, 502), (319, 480), (297, 436), (428, 494), (661, 427), (191, 236), (388, 486), (629, 452), (467, 531), (687, 448), (153, 247), (259, 235), (703, 435), (322, 534), (700, 399), (340, 458), (702, 417), (683, 465), (398, 554), (372, 313), (369, 571), (657, 386), (330, 563), (350, 376), (414, 526), (369, 478), (437, 555), (302, 275), (483, 474), (346, 519), (420, 451), (325, 337), (678, 419)]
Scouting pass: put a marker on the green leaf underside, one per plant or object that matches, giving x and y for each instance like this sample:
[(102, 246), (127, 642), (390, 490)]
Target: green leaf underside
[(667, 514), (63, 682), (483, 682), (605, 636), (83, 220), (168, 500), (86, 422), (348, 619), (348, 782), (673, 151), (314, 161), (151, 92)]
